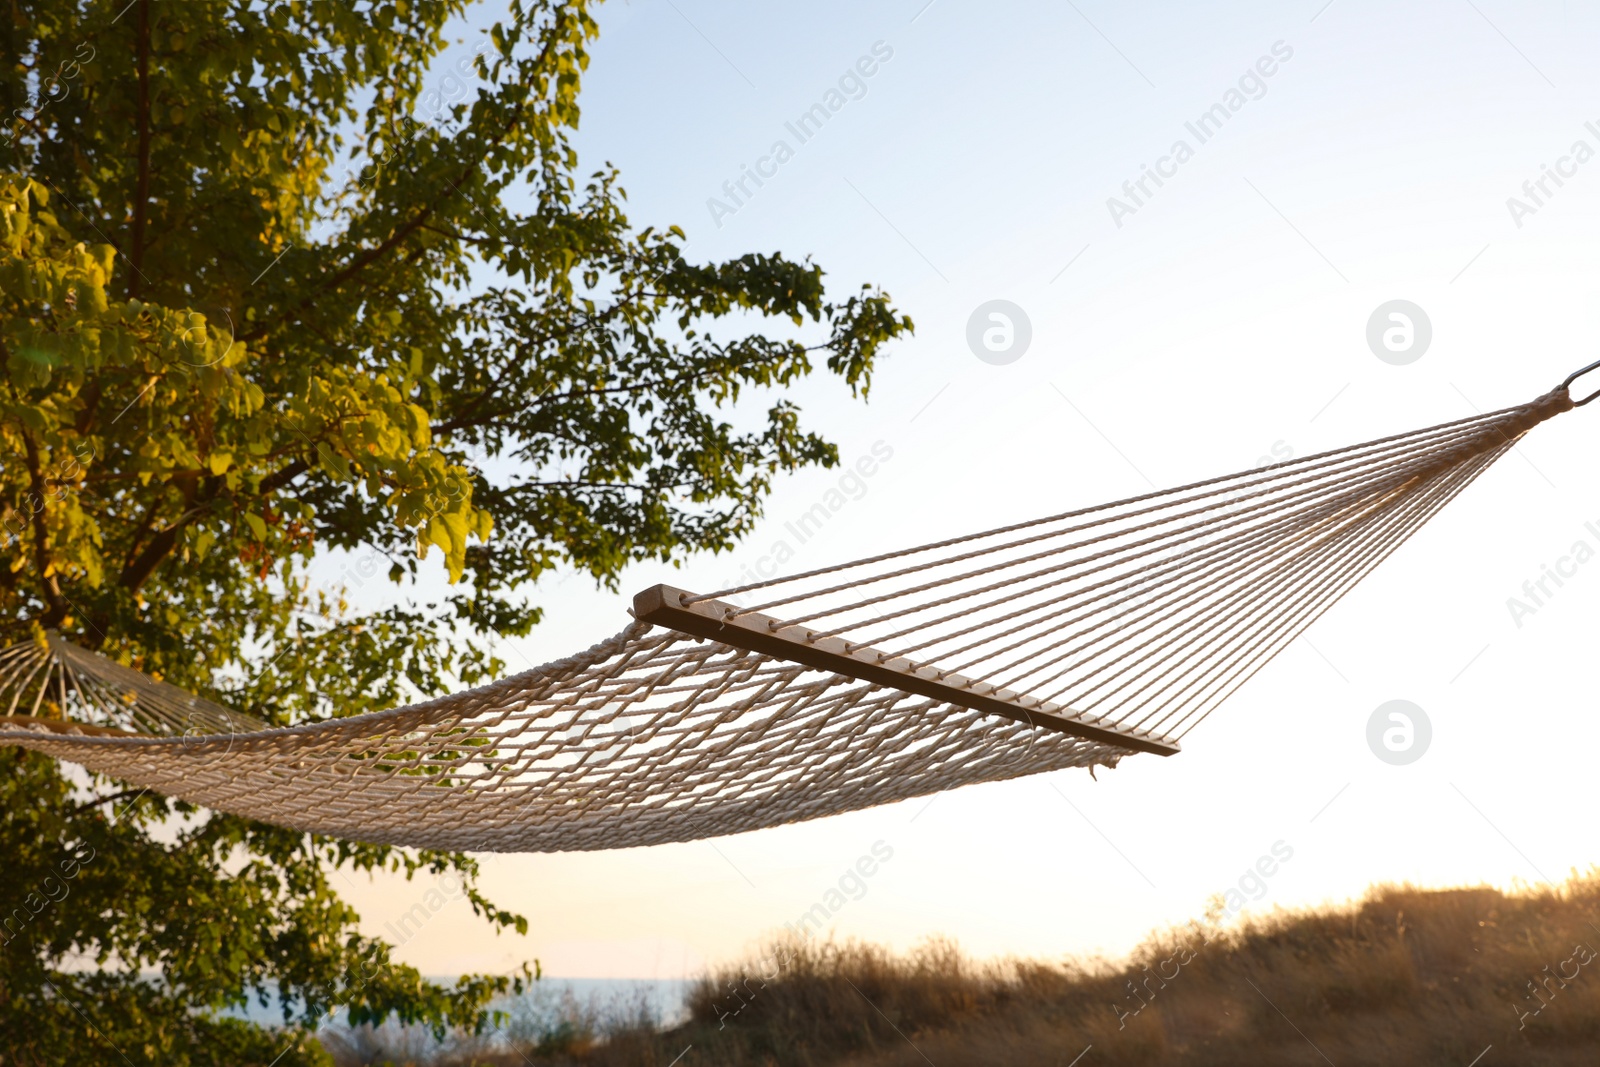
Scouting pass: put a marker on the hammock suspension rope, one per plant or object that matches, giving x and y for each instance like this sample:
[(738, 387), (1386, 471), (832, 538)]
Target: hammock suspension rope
[(1071, 640)]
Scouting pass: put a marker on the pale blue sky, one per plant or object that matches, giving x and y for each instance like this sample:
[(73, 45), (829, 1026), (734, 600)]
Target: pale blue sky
[(1224, 319)]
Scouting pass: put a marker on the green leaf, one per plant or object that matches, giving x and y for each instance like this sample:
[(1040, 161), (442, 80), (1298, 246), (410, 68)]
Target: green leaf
[(295, 373)]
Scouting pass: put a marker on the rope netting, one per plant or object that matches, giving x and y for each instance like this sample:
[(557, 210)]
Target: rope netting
[(1139, 616), (1066, 641), (75, 688), (649, 737)]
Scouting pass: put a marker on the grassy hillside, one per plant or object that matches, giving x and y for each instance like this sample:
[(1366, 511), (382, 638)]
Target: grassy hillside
[(1407, 976)]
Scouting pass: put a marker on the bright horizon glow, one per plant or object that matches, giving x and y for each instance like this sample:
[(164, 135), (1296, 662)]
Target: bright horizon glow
[(1223, 321)]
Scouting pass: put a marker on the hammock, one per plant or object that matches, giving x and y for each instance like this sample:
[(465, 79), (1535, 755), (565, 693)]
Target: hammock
[(1067, 641)]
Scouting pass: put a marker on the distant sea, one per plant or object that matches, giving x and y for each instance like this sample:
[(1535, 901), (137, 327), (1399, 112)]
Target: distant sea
[(662, 998)]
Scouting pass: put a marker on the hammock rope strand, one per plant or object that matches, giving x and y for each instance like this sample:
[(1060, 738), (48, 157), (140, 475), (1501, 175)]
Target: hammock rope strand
[(1071, 640)]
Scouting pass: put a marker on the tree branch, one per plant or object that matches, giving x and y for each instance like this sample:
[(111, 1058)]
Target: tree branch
[(110, 798), (469, 416), (161, 545), (278, 479), (521, 487), (57, 610), (142, 529), (141, 194), (372, 255)]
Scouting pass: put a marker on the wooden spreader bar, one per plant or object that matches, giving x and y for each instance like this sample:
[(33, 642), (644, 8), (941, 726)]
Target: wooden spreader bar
[(715, 620)]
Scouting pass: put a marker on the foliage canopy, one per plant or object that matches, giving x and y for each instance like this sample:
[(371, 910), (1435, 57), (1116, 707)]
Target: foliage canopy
[(272, 285)]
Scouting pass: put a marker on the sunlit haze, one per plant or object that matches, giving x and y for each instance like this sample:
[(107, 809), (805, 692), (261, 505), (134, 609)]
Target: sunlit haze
[(1335, 157)]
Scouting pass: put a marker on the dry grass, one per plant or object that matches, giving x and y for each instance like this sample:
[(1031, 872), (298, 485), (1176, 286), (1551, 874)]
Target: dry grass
[(1407, 976)]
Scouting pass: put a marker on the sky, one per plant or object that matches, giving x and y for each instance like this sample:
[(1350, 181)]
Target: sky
[(1206, 324)]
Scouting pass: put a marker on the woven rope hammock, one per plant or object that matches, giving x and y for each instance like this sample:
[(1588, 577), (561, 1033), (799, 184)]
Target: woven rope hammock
[(1068, 641)]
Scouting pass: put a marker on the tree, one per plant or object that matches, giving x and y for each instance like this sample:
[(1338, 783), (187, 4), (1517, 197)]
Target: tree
[(273, 285)]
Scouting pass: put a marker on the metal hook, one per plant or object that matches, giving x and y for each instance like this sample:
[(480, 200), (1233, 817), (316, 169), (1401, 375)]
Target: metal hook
[(1579, 373)]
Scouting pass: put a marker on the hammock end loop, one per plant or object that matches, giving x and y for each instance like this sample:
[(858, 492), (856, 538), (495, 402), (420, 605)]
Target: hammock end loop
[(1574, 376)]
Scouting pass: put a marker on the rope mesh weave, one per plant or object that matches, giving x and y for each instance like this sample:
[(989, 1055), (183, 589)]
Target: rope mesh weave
[(1141, 615), (646, 738)]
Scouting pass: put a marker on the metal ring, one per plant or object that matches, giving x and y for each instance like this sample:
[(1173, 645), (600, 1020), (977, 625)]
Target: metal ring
[(1579, 373)]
